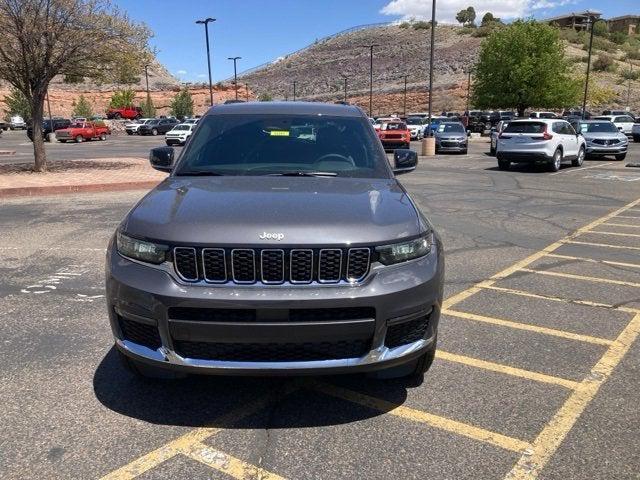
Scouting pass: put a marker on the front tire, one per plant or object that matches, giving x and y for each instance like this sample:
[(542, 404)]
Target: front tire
[(636, 138), (579, 159), (504, 164), (79, 139), (556, 161), (154, 132), (621, 156), (103, 137)]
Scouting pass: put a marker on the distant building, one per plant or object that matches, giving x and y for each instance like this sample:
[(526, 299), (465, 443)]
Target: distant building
[(575, 20), (629, 24)]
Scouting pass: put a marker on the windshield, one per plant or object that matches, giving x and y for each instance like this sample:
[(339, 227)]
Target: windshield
[(182, 127), (394, 126), (450, 128), (414, 121), (261, 144), (525, 127), (600, 127)]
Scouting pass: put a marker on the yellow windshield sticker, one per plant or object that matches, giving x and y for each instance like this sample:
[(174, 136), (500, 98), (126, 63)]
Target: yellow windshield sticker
[(279, 133)]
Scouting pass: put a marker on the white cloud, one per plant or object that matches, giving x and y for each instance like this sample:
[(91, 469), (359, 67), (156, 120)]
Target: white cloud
[(202, 75), (181, 72), (446, 11)]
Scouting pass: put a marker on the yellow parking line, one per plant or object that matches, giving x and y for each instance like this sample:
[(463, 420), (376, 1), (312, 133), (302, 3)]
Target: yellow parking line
[(505, 369), (160, 455), (453, 426), (528, 327), (628, 216), (626, 225), (582, 277), (606, 245), (594, 260), (457, 298), (225, 463), (617, 234), (588, 303), (549, 440)]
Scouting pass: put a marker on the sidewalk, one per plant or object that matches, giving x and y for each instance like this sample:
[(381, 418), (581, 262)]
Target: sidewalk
[(95, 175)]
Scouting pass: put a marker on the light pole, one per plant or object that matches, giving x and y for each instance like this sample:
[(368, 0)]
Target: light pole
[(371, 47), (404, 107), (629, 86), (592, 21), (235, 73), (206, 22), (345, 87), (246, 90), (429, 143), (295, 82), (146, 76)]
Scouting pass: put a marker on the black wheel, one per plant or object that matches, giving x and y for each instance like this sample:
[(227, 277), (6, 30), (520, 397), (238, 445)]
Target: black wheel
[(492, 151), (129, 132), (169, 144), (621, 157), (579, 160), (504, 164), (154, 131), (636, 138), (117, 116), (103, 137), (145, 371), (556, 161), (464, 152), (79, 139)]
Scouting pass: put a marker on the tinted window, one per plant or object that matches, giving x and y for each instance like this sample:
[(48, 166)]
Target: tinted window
[(624, 119), (599, 127), (260, 144), (394, 126), (450, 128), (414, 121), (182, 127), (525, 127)]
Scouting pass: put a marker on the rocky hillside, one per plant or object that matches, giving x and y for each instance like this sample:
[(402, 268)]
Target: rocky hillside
[(404, 50)]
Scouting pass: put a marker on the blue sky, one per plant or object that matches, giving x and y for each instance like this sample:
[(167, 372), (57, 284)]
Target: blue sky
[(260, 31)]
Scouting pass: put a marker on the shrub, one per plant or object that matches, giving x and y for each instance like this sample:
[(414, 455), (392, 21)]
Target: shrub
[(82, 108), (633, 54), (182, 104), (604, 63), (148, 108), (421, 25), (619, 38), (600, 43), (573, 36), (486, 29), (466, 31), (122, 98), (265, 97), (405, 25), (578, 59), (630, 75)]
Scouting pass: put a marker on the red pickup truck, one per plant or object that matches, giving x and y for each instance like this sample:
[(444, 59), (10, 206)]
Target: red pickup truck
[(81, 131), (129, 113)]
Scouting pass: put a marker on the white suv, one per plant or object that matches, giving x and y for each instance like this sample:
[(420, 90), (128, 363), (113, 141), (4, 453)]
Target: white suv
[(623, 122), (551, 141)]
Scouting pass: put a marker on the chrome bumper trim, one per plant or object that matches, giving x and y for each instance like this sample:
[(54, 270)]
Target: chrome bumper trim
[(167, 356)]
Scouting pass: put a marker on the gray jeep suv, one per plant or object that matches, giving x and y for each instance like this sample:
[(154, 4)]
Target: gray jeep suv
[(280, 243)]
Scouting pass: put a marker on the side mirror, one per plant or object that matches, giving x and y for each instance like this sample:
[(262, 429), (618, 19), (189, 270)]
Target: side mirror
[(619, 128), (404, 161), (161, 158)]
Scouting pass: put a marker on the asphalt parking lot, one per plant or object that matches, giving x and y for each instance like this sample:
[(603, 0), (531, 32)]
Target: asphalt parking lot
[(536, 375)]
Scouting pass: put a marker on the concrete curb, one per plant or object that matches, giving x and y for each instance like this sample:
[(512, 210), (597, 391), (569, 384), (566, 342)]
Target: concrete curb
[(7, 152), (62, 189)]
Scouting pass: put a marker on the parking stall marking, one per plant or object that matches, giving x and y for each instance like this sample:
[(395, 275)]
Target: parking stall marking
[(618, 234), (581, 277), (605, 245), (592, 260), (626, 225), (528, 327), (506, 369), (226, 463), (442, 423), (628, 216), (194, 437), (546, 444)]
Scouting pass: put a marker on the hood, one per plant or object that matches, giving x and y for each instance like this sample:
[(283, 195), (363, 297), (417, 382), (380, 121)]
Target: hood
[(604, 136), (310, 211)]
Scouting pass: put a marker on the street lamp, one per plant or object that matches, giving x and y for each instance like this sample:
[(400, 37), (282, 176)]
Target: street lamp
[(404, 108), (592, 22), (146, 76), (433, 41), (206, 22), (370, 47), (235, 73), (246, 90)]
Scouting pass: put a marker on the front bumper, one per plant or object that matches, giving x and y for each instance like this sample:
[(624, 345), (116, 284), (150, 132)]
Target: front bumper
[(460, 147), (606, 150), (398, 294)]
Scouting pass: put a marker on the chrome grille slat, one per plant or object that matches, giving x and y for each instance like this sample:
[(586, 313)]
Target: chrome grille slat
[(330, 265), (243, 265), (214, 265), (272, 266), (185, 263), (301, 265)]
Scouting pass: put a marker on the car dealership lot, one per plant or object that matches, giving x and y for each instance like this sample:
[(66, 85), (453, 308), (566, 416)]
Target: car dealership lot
[(537, 372)]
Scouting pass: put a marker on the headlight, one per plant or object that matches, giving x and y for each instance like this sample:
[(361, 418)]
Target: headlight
[(140, 250), (402, 252)]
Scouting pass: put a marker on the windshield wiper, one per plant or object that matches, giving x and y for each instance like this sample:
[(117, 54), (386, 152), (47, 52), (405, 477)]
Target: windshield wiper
[(200, 173), (303, 173)]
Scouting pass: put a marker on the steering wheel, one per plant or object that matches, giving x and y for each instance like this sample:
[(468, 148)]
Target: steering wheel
[(335, 157)]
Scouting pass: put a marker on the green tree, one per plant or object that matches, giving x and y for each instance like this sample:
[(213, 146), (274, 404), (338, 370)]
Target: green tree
[(148, 108), (523, 65), (17, 104), (182, 104), (488, 18), (122, 98), (78, 39), (265, 97), (467, 17), (82, 108)]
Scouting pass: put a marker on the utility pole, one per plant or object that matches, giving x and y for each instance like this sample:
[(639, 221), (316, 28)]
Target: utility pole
[(345, 88), (295, 82), (592, 21), (429, 143), (629, 87), (370, 47), (146, 76), (246, 90), (235, 73), (404, 107), (206, 22)]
